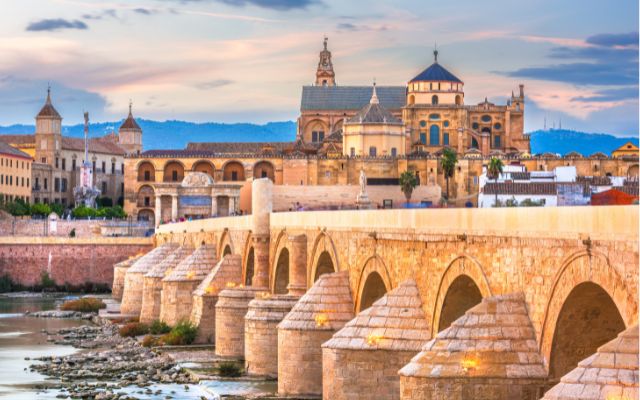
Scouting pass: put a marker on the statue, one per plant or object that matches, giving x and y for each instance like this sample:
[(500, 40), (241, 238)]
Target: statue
[(362, 200), (85, 194)]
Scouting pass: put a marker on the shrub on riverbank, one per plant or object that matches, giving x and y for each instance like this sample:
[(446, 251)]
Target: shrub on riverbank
[(158, 327), (183, 333), (151, 341), (133, 329), (228, 369), (84, 304)]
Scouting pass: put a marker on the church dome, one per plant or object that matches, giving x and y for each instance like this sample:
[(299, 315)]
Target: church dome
[(436, 73)]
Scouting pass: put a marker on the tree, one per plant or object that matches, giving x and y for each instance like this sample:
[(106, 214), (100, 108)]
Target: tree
[(408, 182), (449, 161), (494, 169), (40, 209), (57, 208)]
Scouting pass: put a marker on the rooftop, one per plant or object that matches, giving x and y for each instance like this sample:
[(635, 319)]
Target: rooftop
[(7, 149), (351, 97), (436, 72)]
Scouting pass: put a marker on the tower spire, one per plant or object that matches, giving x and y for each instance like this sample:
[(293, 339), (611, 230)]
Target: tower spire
[(48, 93), (374, 95), (130, 106), (326, 39), (435, 52)]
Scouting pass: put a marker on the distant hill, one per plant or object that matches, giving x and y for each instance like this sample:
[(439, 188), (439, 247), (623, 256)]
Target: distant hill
[(563, 141), (176, 135)]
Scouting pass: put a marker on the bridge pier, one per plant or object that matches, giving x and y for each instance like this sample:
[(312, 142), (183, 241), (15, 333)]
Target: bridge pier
[(312, 321), (361, 361), (227, 273), (119, 271), (134, 281), (230, 311), (152, 284), (178, 286), (490, 352)]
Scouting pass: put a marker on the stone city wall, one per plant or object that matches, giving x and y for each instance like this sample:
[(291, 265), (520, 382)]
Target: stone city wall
[(73, 261)]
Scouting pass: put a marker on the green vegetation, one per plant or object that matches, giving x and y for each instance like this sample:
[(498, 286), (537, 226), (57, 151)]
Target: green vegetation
[(8, 285), (449, 161), (494, 169), (228, 369), (40, 209), (132, 329), (46, 281), (183, 333), (408, 182), (102, 212), (85, 304), (150, 341), (158, 327)]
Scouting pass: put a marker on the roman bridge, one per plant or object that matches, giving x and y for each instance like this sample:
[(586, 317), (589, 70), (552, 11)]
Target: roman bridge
[(574, 269)]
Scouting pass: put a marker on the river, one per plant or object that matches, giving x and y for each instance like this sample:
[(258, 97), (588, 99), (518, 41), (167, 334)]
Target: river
[(22, 337)]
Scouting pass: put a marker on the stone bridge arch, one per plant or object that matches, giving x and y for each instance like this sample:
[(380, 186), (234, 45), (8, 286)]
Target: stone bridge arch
[(279, 270), (373, 283), (587, 291), (323, 252), (225, 245), (463, 276), (248, 261)]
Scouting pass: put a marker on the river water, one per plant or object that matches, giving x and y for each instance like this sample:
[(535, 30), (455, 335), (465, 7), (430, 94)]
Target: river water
[(22, 337)]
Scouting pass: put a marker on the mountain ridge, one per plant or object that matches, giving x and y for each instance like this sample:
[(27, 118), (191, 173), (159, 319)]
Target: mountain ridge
[(175, 134)]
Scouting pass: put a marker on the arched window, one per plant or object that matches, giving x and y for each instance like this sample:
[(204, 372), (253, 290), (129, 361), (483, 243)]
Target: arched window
[(434, 135), (458, 100), (434, 100), (474, 143), (412, 99), (373, 151)]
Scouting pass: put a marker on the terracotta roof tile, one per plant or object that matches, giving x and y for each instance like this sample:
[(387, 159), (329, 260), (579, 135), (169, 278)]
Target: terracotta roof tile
[(513, 188), (6, 148)]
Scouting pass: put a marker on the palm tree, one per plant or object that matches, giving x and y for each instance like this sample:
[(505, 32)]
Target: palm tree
[(449, 161), (408, 182), (494, 169)]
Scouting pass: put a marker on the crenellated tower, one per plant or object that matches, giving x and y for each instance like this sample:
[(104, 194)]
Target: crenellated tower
[(325, 76)]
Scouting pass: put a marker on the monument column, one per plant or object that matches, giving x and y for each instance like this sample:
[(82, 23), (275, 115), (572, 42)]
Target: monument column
[(158, 210), (174, 207), (298, 265), (214, 205), (261, 205)]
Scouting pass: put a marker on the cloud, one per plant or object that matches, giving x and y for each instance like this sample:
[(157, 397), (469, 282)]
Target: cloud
[(110, 13), (213, 84), (55, 24), (610, 95), (348, 26), (280, 5), (144, 11), (607, 59), (614, 39)]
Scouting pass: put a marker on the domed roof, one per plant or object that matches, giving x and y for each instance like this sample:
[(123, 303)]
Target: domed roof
[(436, 72), (48, 110)]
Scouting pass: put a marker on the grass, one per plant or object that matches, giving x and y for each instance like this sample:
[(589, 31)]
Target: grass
[(133, 329), (182, 334), (84, 304)]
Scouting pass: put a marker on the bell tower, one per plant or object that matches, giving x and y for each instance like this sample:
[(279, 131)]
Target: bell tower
[(325, 76), (130, 134), (48, 135)]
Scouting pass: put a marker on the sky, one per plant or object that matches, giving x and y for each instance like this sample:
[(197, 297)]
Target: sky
[(247, 60)]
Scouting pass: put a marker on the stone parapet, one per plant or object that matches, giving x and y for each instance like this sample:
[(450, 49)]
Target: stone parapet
[(134, 278), (491, 349), (324, 309), (231, 309), (226, 274), (361, 361), (611, 373), (261, 333)]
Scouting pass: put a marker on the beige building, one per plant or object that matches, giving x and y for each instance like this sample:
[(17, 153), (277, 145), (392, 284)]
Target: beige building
[(15, 174), (56, 169)]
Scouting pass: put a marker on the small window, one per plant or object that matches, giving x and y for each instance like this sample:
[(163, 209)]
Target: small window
[(423, 138), (394, 152), (434, 135), (147, 176), (497, 126), (486, 118), (373, 151), (445, 139), (314, 136), (234, 175), (434, 117), (445, 124), (104, 188), (423, 123), (434, 100), (104, 167), (73, 164), (113, 168), (174, 176), (64, 164), (353, 152), (496, 141), (57, 162), (147, 201), (474, 126)]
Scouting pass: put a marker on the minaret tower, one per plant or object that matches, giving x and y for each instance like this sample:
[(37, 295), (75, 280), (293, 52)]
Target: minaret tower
[(48, 135), (325, 76), (130, 134)]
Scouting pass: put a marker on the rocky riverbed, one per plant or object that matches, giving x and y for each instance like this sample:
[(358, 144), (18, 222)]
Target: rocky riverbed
[(113, 364)]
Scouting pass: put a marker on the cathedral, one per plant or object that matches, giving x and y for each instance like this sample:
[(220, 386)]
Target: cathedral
[(431, 109)]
